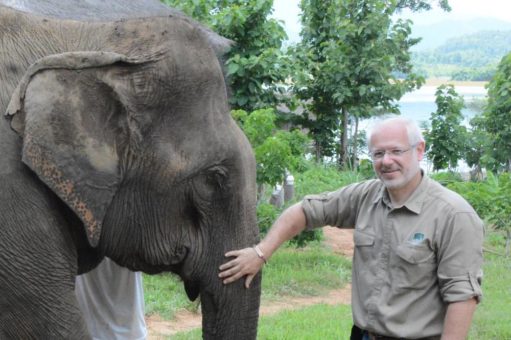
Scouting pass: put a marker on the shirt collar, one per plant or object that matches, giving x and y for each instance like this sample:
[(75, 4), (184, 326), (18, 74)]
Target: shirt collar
[(414, 202)]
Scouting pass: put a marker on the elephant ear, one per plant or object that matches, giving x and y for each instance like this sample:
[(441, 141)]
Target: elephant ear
[(72, 127)]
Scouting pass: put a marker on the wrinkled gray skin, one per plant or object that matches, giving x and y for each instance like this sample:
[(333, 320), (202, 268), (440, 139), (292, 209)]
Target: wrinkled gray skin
[(117, 141)]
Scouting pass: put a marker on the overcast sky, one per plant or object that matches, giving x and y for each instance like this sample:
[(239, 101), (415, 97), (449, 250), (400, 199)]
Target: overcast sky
[(288, 11)]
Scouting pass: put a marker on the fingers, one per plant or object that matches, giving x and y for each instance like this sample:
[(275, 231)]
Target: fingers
[(248, 281), (227, 265), (233, 253), (235, 277), (245, 263)]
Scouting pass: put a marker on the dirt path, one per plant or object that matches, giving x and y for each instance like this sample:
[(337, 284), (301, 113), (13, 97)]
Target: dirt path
[(341, 242)]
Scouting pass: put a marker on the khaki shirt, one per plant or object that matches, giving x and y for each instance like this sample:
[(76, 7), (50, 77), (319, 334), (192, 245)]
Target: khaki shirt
[(409, 262)]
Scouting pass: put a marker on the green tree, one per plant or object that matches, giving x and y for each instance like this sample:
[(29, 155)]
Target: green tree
[(350, 55), (255, 65), (498, 114), (501, 216), (478, 148), (423, 5), (447, 136), (275, 150)]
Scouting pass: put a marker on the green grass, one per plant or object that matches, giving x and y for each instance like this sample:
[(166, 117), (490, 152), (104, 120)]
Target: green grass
[(310, 323), (314, 269), (492, 319), (304, 272), (164, 294), (291, 272)]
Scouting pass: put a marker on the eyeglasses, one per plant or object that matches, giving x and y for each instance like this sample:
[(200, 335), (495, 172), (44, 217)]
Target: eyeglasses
[(394, 153)]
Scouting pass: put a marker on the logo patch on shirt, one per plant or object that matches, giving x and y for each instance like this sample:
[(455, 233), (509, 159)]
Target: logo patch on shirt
[(417, 238)]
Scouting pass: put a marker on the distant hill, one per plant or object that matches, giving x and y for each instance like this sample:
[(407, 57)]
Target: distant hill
[(467, 57), (436, 34)]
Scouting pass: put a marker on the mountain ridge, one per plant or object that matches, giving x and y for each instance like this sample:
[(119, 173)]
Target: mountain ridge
[(436, 34)]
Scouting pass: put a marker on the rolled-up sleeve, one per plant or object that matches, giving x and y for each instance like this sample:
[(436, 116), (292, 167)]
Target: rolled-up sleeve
[(461, 258), (338, 208)]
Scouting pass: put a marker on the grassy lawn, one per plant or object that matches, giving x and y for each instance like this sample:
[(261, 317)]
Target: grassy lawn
[(315, 269), (492, 320), (291, 272)]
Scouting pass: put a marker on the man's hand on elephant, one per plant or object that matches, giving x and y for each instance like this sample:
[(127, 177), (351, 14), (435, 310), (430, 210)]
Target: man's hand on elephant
[(246, 262)]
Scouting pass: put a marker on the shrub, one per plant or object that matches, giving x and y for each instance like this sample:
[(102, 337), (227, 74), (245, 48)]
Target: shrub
[(447, 177), (266, 215)]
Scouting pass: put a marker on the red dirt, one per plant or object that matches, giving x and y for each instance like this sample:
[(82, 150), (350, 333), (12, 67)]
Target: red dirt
[(341, 242)]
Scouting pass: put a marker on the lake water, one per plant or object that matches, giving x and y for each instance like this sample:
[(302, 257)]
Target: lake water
[(419, 105)]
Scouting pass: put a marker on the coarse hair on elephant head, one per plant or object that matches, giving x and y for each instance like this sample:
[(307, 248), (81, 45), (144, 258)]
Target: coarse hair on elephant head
[(143, 150)]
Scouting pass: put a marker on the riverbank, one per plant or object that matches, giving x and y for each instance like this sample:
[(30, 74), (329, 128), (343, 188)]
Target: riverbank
[(440, 81)]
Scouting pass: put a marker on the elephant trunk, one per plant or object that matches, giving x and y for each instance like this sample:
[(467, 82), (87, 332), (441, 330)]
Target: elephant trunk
[(230, 311)]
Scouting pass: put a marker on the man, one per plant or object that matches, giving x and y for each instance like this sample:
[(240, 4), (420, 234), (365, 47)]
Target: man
[(111, 299), (418, 246)]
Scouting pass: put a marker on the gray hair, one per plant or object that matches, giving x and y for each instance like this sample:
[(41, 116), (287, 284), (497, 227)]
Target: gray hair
[(414, 132)]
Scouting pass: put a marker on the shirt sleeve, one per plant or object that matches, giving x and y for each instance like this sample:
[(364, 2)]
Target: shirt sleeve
[(460, 258), (337, 208)]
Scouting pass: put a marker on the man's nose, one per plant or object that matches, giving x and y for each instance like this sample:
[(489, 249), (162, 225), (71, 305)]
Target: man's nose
[(387, 158)]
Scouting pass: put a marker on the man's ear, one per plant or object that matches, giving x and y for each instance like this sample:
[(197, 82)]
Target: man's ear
[(72, 127), (421, 149)]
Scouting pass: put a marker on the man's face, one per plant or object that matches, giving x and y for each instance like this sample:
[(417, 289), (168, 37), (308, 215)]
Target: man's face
[(395, 161)]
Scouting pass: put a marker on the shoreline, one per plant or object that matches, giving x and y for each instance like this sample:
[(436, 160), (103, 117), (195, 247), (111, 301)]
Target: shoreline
[(440, 81)]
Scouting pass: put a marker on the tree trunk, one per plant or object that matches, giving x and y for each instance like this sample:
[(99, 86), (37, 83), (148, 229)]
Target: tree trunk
[(317, 149), (260, 192), (355, 145), (343, 147), (508, 241)]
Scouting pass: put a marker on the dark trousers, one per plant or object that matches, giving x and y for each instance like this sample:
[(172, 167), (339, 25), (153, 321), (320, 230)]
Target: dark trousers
[(356, 333), (359, 334)]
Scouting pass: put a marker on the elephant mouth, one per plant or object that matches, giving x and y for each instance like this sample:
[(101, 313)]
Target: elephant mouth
[(174, 263), (192, 289)]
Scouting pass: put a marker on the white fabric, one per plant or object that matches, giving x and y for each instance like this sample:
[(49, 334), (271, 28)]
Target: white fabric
[(112, 302)]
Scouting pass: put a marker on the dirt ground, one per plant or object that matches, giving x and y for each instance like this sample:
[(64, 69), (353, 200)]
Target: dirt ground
[(341, 242)]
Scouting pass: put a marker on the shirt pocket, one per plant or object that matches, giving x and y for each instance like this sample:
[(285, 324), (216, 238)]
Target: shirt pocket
[(364, 244), (415, 266)]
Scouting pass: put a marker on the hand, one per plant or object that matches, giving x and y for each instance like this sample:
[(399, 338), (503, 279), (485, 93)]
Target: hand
[(245, 262)]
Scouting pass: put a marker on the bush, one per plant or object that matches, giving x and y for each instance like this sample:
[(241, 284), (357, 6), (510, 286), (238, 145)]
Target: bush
[(320, 178), (316, 179), (447, 177), (266, 215)]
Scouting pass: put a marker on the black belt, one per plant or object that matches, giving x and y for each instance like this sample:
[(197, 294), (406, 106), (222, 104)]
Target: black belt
[(373, 336), (360, 334)]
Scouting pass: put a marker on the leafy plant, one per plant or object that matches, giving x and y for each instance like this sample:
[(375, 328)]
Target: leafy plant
[(347, 65), (491, 199), (255, 64), (266, 215), (275, 150), (447, 137), (498, 113)]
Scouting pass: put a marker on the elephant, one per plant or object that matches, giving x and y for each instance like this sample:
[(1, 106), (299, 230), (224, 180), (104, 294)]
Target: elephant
[(117, 142)]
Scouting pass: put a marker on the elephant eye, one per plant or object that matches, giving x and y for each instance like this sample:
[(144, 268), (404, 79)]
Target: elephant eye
[(211, 183), (217, 177)]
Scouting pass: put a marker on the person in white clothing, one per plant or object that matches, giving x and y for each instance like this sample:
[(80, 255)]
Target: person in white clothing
[(112, 302)]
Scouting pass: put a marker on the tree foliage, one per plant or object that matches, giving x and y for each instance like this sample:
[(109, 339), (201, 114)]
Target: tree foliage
[(275, 150), (446, 139), (491, 199), (255, 65), (423, 5), (350, 57), (478, 146), (498, 113)]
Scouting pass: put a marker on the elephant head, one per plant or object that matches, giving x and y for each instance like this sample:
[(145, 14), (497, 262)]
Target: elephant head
[(141, 146)]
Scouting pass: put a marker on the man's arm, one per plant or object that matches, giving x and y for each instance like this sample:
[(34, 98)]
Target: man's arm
[(247, 261), (458, 319)]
